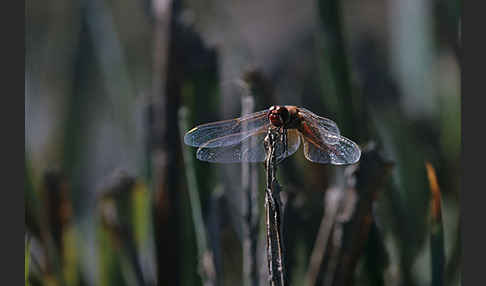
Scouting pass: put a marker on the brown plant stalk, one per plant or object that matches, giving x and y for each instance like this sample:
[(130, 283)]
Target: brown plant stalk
[(275, 255)]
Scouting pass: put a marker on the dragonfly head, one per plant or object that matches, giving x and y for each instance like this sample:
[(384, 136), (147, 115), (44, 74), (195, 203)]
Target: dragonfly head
[(278, 115)]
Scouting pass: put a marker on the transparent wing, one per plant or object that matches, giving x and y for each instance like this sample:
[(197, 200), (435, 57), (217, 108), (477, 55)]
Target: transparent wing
[(251, 149), (343, 152), (293, 143), (226, 132), (321, 127)]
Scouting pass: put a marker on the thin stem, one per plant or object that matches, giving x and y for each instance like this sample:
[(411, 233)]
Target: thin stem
[(437, 254), (162, 170), (27, 258), (275, 256), (250, 207), (356, 219), (206, 261), (331, 201)]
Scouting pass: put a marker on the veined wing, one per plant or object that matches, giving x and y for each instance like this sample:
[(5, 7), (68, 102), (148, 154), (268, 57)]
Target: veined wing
[(223, 133), (323, 128), (251, 149), (342, 152)]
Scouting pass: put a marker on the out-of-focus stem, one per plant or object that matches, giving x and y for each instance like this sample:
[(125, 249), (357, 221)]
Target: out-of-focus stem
[(437, 233), (356, 222), (162, 137), (205, 255), (249, 207), (27, 259), (333, 195)]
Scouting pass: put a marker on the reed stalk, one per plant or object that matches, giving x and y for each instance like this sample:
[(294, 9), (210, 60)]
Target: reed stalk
[(275, 254)]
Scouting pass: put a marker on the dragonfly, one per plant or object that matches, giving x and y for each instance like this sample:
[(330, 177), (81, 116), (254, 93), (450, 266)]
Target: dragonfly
[(242, 139)]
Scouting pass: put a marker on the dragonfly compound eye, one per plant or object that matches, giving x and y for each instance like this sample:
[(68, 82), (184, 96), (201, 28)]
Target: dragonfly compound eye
[(279, 116)]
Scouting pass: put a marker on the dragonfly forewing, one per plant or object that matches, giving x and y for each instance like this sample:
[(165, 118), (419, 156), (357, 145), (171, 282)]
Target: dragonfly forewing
[(221, 133), (252, 149)]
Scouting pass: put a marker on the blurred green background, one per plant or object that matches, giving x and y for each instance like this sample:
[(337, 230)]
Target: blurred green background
[(110, 201)]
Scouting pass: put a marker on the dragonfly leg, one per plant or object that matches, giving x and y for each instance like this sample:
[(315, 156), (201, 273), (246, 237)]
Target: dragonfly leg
[(283, 139), (286, 142), (267, 144)]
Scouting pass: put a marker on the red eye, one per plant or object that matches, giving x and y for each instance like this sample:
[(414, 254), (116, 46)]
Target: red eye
[(275, 119)]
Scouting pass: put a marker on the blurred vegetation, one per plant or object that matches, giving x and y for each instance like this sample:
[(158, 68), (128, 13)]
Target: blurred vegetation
[(114, 198)]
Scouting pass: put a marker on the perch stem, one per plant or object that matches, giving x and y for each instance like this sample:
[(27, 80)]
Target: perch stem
[(273, 210)]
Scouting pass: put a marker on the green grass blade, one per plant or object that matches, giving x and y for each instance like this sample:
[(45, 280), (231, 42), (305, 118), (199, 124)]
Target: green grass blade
[(205, 255)]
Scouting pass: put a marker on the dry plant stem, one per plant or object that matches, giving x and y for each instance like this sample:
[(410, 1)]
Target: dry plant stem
[(115, 208), (159, 150), (52, 251), (250, 208), (214, 222), (370, 179), (165, 90), (332, 198), (333, 255), (273, 210)]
